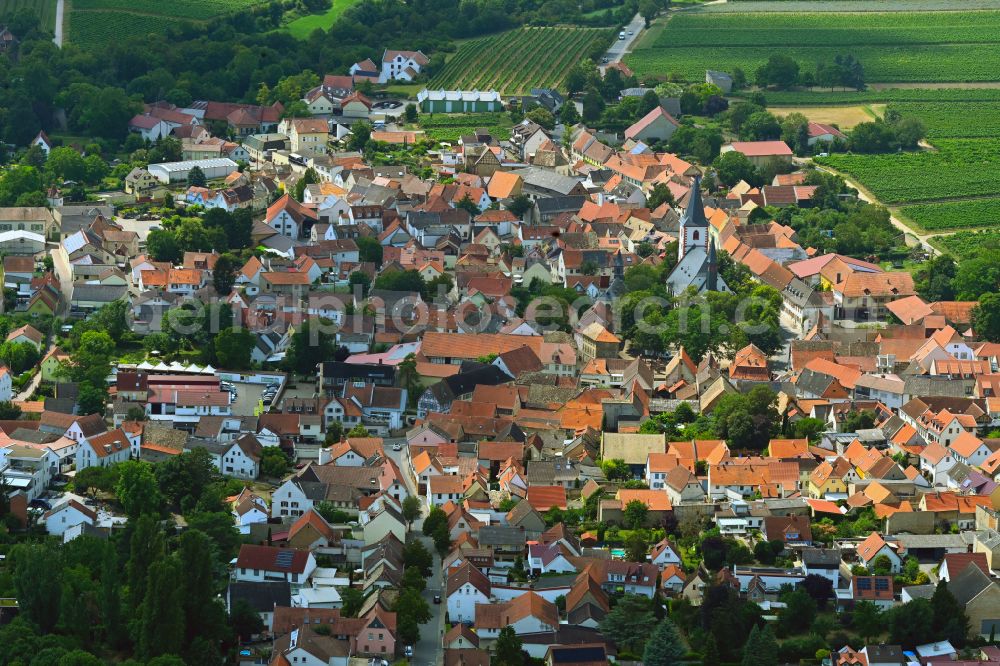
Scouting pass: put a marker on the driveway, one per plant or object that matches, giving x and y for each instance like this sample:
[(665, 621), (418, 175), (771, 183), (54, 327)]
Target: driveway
[(620, 47)]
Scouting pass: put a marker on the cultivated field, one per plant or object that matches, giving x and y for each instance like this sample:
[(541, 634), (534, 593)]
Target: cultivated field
[(958, 168), (94, 22), (968, 214), (843, 117), (44, 9), (448, 127), (516, 61), (892, 46), (968, 243)]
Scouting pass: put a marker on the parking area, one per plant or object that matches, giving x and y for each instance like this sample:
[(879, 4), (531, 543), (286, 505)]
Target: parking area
[(247, 398)]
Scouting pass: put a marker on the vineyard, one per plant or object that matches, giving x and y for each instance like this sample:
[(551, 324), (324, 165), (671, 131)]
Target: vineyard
[(958, 168), (967, 244), (516, 61), (914, 46), (969, 214), (448, 126), (44, 9), (842, 97), (94, 22), (951, 120), (777, 6)]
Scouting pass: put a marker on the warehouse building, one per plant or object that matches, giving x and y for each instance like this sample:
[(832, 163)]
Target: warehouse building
[(174, 172)]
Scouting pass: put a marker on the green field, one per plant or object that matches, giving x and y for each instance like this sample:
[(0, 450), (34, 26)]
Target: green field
[(969, 214), (892, 46), (846, 97), (96, 22), (958, 168), (448, 127), (966, 244), (516, 61), (302, 27), (44, 9)]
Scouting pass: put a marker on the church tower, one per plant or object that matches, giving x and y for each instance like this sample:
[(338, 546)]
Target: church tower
[(693, 226)]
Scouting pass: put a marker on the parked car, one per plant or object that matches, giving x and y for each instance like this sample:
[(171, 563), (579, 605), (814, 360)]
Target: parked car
[(408, 650), (397, 447), (437, 598)]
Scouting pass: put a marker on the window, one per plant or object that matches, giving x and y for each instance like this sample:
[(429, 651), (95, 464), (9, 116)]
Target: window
[(695, 235)]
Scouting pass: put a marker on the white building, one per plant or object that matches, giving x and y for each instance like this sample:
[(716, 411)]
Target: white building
[(66, 515), (257, 564), (103, 450), (174, 172), (466, 587)]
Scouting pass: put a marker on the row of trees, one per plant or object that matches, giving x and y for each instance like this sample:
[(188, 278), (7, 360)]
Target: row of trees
[(783, 72)]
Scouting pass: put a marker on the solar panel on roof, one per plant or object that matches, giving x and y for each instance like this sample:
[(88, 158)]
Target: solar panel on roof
[(881, 583), (283, 560), (864, 583)]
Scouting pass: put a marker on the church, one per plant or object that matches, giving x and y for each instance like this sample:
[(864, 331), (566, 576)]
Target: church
[(697, 264)]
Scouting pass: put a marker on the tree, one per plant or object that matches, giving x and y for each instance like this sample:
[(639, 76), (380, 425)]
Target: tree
[(273, 462), (986, 317), (636, 546), (361, 134), (732, 167), (234, 347), (358, 431), (313, 341), (411, 508), (629, 623), (615, 469), (36, 572), (568, 114), (649, 10), (912, 623), (369, 250), (411, 611), (820, 588), (466, 203), (410, 113), (161, 622), (353, 598), (798, 613), (64, 163), (867, 620), (664, 647), (780, 71), (413, 579), (761, 648), (660, 195), (246, 621), (507, 650), (196, 177), (950, 622), (416, 555), (138, 490), (360, 278), (761, 126), (224, 274), (310, 177), (635, 513), (593, 104), (542, 116), (435, 517), (520, 205)]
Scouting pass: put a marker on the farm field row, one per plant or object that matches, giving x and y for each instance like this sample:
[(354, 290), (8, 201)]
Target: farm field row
[(897, 6), (946, 120), (821, 29), (897, 63), (190, 9), (958, 168), (516, 61), (965, 244), (969, 214), (95, 28), (45, 10), (842, 97)]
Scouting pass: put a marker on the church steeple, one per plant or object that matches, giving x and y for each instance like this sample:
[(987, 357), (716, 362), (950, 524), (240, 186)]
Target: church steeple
[(693, 225)]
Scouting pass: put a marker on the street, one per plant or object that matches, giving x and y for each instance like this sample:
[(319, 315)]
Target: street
[(620, 47), (428, 651)]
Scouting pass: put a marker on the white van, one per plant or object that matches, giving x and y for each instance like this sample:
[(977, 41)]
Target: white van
[(621, 35)]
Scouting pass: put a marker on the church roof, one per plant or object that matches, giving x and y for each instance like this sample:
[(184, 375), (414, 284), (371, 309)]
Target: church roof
[(694, 214)]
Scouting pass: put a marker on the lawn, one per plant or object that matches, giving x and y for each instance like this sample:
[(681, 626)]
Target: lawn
[(518, 60), (44, 9), (892, 46), (304, 26), (958, 168), (95, 22)]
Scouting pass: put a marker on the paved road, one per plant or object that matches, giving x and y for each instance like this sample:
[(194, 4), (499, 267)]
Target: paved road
[(58, 39), (620, 47), (429, 651)]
